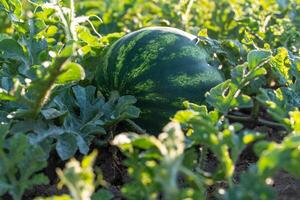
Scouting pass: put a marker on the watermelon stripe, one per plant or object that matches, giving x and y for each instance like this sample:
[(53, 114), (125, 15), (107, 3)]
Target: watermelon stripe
[(122, 56), (141, 58), (165, 64)]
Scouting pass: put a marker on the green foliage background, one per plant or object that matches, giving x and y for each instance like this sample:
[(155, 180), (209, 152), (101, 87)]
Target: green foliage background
[(49, 51)]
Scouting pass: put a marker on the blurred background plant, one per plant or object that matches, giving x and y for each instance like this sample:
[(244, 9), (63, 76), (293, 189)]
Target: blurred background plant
[(50, 110)]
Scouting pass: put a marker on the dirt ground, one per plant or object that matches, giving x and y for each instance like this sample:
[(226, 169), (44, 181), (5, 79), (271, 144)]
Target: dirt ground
[(287, 187)]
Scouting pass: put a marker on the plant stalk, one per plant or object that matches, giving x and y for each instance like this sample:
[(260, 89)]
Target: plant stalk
[(259, 120), (136, 127), (203, 158)]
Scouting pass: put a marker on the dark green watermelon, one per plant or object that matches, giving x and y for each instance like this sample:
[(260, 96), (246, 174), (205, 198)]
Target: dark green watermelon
[(161, 67)]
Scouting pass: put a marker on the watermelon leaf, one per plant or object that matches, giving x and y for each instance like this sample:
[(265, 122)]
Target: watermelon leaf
[(20, 164), (256, 57), (80, 179), (251, 185), (276, 156), (228, 95), (71, 72), (11, 49), (279, 103), (5, 96), (102, 194), (78, 128)]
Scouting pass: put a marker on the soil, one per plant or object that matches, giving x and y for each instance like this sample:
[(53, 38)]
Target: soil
[(286, 186)]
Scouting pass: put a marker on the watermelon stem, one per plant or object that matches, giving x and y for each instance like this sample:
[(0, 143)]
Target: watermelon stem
[(136, 127), (255, 110), (203, 156), (262, 121)]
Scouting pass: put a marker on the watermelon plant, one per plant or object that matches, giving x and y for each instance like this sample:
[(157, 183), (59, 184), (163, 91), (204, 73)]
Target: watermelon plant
[(80, 77)]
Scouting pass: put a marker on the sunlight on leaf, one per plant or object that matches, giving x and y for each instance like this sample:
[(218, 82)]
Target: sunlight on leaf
[(71, 72)]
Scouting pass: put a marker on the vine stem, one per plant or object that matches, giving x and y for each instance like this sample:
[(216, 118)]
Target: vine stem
[(136, 127), (203, 158), (259, 120), (18, 194), (194, 177), (65, 23), (187, 13), (48, 83), (72, 20), (255, 109)]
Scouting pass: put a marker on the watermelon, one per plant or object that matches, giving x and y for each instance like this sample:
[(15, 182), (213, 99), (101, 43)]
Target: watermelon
[(161, 67)]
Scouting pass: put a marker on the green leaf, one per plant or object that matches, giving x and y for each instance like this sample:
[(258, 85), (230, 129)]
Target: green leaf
[(279, 103), (66, 146), (6, 97), (20, 165), (256, 57), (223, 96), (4, 36), (276, 156), (11, 49), (228, 95), (71, 72), (244, 101), (67, 51), (295, 121), (184, 116), (250, 186), (126, 141), (13, 6), (281, 67), (195, 107), (4, 130), (252, 75), (82, 117), (62, 197), (79, 177), (5, 4), (242, 76), (82, 144), (238, 73), (86, 36), (102, 194), (52, 113), (120, 108)]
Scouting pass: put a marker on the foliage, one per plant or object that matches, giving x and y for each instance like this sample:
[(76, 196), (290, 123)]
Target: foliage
[(42, 106), (161, 160), (80, 180), (157, 167), (49, 51), (83, 117), (20, 163)]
